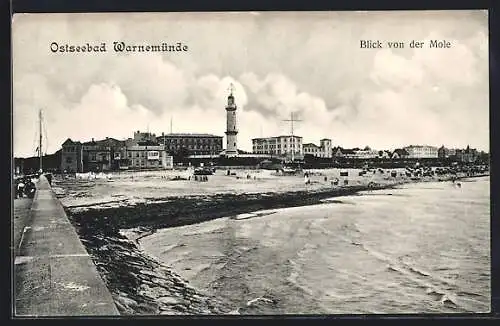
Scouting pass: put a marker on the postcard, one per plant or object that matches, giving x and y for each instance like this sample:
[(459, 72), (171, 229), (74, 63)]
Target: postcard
[(251, 163)]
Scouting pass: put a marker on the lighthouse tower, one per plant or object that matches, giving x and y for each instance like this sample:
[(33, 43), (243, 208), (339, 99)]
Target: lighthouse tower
[(231, 130)]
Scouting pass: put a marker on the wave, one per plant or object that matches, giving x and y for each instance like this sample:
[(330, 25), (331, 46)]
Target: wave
[(246, 216), (438, 293), (442, 290), (471, 294), (260, 299), (166, 249), (292, 279)]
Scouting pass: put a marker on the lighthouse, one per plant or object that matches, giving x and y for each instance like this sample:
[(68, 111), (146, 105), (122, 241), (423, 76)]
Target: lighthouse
[(231, 130)]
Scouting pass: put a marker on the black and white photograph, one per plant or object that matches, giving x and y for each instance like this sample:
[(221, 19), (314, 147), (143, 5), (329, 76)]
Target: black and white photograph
[(250, 163)]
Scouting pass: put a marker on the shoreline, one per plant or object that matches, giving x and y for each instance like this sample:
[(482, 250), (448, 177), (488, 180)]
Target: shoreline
[(142, 285)]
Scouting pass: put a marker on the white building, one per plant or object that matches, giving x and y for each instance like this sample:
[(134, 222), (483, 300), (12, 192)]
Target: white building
[(231, 130), (365, 153), (148, 157), (422, 151), (356, 153), (323, 150), (282, 146)]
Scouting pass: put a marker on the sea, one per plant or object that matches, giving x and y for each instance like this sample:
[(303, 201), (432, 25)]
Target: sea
[(419, 248)]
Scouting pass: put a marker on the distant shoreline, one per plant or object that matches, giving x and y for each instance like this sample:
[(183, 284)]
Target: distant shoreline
[(173, 211)]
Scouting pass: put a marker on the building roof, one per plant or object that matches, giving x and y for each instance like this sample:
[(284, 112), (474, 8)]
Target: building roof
[(68, 142), (420, 146), (295, 136), (310, 145), (401, 152), (147, 142), (344, 150), (324, 139), (275, 137), (104, 142), (188, 135), (264, 138)]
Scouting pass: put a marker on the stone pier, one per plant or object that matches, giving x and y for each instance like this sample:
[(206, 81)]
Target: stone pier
[(53, 273)]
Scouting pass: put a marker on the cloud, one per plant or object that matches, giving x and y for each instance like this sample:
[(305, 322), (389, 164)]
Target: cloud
[(307, 63)]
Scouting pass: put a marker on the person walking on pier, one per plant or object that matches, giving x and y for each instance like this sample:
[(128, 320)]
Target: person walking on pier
[(29, 188)]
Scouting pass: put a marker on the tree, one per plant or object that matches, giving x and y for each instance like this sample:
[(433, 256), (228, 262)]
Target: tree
[(181, 155)]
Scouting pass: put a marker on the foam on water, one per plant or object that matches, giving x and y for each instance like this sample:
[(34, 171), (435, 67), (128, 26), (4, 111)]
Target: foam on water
[(415, 250)]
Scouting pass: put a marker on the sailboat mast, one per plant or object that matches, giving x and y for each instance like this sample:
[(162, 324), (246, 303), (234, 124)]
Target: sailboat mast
[(40, 139), (293, 139)]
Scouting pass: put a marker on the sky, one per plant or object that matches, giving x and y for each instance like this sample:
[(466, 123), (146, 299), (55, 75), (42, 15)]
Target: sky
[(309, 63)]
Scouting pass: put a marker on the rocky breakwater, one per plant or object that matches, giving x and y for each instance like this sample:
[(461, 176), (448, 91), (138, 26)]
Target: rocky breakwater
[(139, 284)]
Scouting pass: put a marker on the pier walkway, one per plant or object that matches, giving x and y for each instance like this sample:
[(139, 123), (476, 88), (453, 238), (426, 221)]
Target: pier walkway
[(53, 273)]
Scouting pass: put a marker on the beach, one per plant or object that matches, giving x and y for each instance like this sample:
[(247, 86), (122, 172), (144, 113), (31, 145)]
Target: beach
[(243, 243)]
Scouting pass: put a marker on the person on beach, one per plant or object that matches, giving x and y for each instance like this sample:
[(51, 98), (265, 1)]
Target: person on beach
[(20, 189), (29, 189), (14, 190), (306, 178), (49, 178)]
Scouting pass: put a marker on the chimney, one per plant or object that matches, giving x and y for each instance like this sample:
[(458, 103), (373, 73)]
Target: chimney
[(92, 139)]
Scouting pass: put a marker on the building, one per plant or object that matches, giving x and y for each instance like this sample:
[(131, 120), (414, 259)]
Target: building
[(384, 154), (141, 152), (102, 155), (231, 130), (312, 149), (468, 155), (400, 153), (148, 157), (444, 152), (422, 151), (323, 150), (365, 153), (356, 153), (342, 152), (144, 136), (192, 144), (71, 156), (280, 146)]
